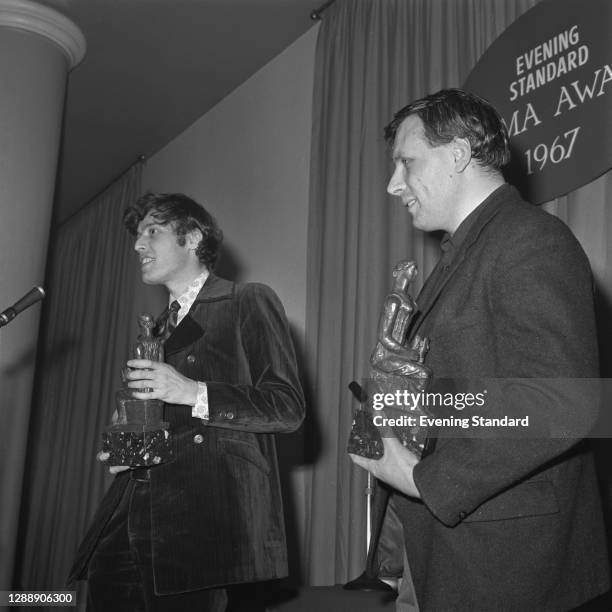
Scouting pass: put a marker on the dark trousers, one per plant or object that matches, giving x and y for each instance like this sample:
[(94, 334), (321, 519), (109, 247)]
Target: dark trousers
[(120, 577)]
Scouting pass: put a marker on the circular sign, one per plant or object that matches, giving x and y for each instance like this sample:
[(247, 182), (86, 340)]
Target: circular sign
[(550, 76)]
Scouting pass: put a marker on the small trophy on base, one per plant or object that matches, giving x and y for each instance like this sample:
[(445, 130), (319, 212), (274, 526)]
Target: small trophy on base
[(140, 436), (397, 371)]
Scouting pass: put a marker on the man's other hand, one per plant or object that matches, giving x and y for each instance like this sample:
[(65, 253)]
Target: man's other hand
[(113, 469), (395, 467)]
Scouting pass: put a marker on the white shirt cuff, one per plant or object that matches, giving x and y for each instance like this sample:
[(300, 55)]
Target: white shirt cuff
[(200, 410)]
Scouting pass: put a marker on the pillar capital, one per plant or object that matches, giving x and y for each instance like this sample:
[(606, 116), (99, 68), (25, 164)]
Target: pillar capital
[(46, 22)]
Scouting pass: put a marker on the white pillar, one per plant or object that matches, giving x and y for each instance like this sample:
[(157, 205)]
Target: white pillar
[(38, 47)]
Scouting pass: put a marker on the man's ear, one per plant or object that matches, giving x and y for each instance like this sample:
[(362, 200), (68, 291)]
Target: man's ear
[(192, 239), (462, 152)]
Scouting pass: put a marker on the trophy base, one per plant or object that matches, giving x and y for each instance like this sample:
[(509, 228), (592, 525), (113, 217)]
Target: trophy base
[(365, 439), (137, 445), (400, 418)]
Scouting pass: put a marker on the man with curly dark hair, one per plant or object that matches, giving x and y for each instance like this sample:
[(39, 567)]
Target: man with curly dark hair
[(185, 215), (176, 536)]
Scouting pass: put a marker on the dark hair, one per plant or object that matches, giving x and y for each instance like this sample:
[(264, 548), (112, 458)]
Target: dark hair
[(184, 214), (454, 113)]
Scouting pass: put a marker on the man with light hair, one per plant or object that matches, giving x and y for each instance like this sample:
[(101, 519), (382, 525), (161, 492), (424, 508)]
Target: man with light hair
[(492, 522)]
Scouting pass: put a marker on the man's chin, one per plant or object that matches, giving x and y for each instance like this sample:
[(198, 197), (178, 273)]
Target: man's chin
[(149, 280), (420, 223), (417, 223)]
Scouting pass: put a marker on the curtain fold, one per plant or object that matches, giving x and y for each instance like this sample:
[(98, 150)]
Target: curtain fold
[(89, 321), (372, 58)]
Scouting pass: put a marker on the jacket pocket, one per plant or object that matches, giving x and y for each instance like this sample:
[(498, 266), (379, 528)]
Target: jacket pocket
[(531, 498), (244, 450)]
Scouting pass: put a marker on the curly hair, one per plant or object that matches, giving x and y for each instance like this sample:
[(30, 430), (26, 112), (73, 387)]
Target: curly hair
[(185, 215), (454, 113)]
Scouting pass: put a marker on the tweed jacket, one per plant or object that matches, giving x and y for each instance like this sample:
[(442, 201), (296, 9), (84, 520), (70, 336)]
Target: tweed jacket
[(216, 509), (511, 523)]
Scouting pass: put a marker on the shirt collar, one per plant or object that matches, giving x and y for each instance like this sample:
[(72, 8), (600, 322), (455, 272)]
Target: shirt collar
[(450, 243), (188, 297)]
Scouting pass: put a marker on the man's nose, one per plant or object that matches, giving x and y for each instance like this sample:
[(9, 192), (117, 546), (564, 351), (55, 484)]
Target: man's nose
[(139, 244), (396, 184)]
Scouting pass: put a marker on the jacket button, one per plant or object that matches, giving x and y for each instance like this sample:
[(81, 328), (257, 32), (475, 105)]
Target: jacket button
[(190, 359), (198, 438), (462, 515), (230, 415)]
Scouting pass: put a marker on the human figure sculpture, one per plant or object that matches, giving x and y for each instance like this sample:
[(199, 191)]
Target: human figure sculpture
[(391, 355), (139, 435), (147, 346), (393, 367)]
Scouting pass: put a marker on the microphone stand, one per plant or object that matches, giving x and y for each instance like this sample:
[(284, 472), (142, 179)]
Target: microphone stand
[(369, 580)]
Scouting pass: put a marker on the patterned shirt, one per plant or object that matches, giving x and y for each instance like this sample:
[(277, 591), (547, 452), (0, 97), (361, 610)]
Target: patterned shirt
[(186, 300)]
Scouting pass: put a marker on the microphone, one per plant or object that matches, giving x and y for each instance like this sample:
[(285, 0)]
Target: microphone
[(358, 392), (31, 297)]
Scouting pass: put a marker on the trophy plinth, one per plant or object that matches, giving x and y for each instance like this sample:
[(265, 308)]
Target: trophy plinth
[(364, 438), (139, 437), (402, 419), (389, 404)]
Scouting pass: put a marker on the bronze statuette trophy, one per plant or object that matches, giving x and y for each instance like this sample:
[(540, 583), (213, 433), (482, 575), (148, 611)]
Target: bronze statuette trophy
[(397, 377), (140, 436)]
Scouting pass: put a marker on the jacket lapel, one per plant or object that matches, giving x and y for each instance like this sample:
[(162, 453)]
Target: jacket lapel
[(427, 299), (193, 326), (186, 333)]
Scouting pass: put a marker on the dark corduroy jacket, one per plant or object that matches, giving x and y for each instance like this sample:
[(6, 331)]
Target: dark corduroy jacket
[(216, 510)]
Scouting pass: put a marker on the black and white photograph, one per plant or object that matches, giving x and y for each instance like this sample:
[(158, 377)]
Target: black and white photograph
[(306, 306)]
